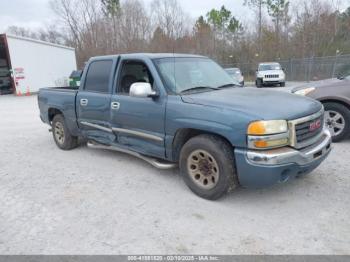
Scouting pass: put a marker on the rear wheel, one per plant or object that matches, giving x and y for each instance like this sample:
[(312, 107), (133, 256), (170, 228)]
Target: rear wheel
[(207, 166), (337, 119), (63, 139)]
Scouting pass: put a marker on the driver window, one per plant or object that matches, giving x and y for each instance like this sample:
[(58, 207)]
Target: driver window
[(133, 72)]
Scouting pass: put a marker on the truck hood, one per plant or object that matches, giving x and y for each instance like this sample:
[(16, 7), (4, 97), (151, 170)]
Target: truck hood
[(259, 104)]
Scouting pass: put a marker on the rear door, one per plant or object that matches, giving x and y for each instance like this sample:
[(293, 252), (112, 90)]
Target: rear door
[(94, 101)]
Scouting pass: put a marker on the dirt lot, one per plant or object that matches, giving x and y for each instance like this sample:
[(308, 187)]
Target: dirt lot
[(99, 202)]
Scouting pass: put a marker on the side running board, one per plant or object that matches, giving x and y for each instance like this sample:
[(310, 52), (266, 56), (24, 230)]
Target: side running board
[(160, 164)]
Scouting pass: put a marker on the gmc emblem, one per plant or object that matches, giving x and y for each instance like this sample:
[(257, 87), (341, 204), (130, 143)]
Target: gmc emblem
[(315, 125)]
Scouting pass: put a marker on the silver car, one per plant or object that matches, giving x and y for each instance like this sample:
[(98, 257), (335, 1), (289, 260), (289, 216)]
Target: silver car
[(236, 74)]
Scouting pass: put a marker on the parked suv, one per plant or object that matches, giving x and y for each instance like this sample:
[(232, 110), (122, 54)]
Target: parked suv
[(236, 74), (269, 74)]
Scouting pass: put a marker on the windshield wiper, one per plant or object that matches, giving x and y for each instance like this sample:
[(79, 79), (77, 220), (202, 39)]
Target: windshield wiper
[(199, 88), (227, 85)]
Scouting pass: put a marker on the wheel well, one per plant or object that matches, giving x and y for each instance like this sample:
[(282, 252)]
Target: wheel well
[(53, 112), (184, 135), (335, 101)]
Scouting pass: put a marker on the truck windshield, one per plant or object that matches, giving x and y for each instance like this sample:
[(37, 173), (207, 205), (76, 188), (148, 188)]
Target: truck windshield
[(193, 75)]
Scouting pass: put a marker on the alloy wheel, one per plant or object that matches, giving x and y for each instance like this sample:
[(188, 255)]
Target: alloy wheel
[(335, 122)]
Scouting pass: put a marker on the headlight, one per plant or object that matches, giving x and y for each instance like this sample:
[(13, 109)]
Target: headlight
[(267, 142), (304, 92), (267, 127), (268, 134)]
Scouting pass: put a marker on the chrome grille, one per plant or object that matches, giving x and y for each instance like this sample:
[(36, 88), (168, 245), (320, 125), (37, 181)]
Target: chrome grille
[(302, 133), (272, 76)]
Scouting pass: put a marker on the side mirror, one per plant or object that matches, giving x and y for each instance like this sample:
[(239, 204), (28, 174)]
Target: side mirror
[(142, 90)]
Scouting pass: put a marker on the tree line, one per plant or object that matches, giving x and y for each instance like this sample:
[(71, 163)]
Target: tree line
[(279, 29)]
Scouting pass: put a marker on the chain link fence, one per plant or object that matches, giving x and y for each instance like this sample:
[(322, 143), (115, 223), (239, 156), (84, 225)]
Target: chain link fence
[(303, 69)]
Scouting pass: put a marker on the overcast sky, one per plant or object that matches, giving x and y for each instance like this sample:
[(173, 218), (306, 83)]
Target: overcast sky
[(37, 13)]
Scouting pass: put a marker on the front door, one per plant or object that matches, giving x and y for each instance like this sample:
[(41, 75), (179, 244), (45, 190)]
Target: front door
[(138, 122)]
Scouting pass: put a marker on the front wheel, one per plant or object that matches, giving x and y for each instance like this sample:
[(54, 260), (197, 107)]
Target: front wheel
[(283, 84), (63, 139), (207, 166), (337, 119), (259, 83)]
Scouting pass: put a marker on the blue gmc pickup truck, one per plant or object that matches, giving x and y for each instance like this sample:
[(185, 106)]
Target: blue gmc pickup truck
[(172, 109)]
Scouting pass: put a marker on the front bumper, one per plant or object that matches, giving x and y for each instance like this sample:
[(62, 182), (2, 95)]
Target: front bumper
[(258, 169), (273, 81)]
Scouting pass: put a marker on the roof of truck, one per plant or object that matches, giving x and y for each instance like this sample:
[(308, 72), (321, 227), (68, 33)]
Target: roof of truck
[(148, 55)]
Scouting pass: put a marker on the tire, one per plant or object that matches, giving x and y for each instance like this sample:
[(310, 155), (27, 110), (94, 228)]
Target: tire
[(259, 83), (63, 139), (337, 118), (207, 166), (283, 84)]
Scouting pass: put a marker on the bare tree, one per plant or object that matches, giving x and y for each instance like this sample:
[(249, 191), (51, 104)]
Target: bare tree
[(50, 34), (315, 27), (134, 26), (82, 20), (258, 7), (170, 17)]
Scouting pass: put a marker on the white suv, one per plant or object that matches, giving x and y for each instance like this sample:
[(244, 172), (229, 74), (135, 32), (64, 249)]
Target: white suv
[(270, 74)]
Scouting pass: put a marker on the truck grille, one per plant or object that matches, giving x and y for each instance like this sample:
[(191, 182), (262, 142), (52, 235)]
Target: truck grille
[(272, 76), (303, 131), (308, 130)]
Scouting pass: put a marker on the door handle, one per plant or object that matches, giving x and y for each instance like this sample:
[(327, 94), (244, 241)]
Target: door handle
[(84, 102), (115, 105)]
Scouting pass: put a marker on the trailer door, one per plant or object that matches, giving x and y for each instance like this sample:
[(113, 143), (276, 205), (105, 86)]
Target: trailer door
[(6, 82)]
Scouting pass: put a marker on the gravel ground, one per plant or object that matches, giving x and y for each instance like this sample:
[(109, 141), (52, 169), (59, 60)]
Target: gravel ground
[(89, 201)]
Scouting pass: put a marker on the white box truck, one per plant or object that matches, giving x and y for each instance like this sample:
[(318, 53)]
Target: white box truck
[(26, 64)]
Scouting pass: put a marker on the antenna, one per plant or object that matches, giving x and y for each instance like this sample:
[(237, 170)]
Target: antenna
[(174, 66)]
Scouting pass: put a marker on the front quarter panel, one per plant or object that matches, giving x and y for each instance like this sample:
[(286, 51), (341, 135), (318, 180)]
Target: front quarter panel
[(227, 123)]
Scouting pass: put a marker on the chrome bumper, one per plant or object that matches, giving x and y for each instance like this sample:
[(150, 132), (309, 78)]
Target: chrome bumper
[(286, 155)]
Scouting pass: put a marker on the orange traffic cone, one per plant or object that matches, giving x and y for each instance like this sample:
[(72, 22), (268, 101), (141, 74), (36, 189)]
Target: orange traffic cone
[(28, 92), (19, 93)]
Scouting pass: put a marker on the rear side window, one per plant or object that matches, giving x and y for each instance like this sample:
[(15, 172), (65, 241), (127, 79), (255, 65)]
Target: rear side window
[(98, 76)]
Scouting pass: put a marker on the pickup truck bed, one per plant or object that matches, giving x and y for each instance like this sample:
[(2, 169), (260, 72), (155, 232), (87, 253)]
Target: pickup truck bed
[(60, 99)]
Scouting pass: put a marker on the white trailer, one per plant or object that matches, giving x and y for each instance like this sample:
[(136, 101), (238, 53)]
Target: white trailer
[(26, 64)]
